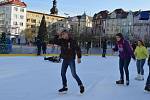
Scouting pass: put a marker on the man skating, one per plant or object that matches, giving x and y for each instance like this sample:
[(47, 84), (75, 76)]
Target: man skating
[(69, 50), (147, 87)]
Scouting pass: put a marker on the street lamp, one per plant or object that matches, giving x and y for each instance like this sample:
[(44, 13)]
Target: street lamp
[(66, 26), (130, 33), (79, 20)]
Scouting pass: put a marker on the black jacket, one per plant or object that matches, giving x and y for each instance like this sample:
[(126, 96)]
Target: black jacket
[(69, 48), (149, 60)]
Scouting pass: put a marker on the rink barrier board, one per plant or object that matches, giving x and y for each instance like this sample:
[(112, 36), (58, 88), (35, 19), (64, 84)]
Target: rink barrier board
[(9, 55)]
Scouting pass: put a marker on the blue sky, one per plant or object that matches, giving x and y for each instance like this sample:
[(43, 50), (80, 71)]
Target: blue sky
[(76, 7)]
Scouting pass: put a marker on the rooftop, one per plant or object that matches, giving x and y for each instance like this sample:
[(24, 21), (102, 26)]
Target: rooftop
[(15, 2)]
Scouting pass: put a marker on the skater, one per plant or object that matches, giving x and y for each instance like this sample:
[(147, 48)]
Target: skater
[(125, 54), (147, 87), (104, 47), (39, 47), (134, 45), (141, 54), (88, 46), (44, 47), (69, 50)]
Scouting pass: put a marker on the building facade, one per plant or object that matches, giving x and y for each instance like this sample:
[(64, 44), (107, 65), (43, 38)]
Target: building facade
[(99, 22), (12, 17), (81, 24), (141, 28), (34, 19), (120, 21)]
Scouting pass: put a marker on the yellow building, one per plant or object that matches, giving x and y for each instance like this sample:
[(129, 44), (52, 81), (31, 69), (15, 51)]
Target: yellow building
[(34, 19)]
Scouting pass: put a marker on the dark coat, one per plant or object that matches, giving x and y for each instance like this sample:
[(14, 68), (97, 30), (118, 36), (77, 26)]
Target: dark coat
[(38, 43), (44, 46), (104, 44), (69, 48), (88, 45)]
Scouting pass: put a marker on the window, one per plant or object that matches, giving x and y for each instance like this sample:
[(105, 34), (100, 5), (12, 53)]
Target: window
[(6, 16), (21, 24), (21, 10), (37, 15), (1, 15), (15, 9), (15, 23), (6, 22), (33, 21), (1, 22), (21, 17), (28, 26), (28, 20), (49, 23), (33, 31), (39, 22), (33, 26), (15, 16), (7, 9)]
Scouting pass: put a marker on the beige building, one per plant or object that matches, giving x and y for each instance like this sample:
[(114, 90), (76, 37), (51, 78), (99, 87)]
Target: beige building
[(81, 24), (34, 19)]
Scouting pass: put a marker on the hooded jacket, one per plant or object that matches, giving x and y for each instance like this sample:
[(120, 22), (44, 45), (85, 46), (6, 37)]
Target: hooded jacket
[(124, 48)]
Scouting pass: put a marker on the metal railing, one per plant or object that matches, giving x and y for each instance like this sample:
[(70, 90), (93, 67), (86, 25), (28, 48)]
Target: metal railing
[(5, 48)]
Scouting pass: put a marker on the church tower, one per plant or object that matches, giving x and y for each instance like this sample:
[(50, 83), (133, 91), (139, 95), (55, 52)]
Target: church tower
[(54, 10)]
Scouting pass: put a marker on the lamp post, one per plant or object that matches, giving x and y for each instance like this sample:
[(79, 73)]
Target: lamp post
[(79, 22), (130, 32), (66, 26)]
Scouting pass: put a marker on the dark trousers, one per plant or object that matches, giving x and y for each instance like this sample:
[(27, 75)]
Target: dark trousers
[(44, 51), (140, 66), (104, 53), (65, 65), (148, 79), (87, 50), (123, 67), (39, 50)]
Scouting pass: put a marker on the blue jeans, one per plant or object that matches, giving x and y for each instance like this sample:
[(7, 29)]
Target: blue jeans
[(140, 66), (123, 66), (148, 79), (64, 68)]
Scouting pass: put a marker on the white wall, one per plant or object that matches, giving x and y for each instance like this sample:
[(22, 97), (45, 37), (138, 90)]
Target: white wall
[(9, 19), (19, 18)]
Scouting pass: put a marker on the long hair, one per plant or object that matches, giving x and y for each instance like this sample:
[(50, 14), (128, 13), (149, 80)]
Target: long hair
[(142, 42), (120, 35)]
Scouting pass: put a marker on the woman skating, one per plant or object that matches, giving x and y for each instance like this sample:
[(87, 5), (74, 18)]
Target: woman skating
[(147, 87), (125, 54), (141, 54)]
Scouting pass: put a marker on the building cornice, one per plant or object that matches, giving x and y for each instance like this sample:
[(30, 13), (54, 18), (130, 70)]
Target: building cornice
[(29, 11)]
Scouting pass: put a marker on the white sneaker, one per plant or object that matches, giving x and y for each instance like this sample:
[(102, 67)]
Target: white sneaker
[(138, 77), (142, 77)]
